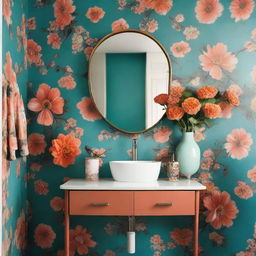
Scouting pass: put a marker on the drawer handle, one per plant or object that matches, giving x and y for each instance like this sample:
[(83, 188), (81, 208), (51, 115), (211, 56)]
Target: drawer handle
[(163, 204), (100, 204)]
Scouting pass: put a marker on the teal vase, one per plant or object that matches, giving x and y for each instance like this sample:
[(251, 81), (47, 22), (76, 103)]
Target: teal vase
[(188, 154)]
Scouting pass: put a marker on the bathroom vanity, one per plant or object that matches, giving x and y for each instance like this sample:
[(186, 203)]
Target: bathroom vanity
[(107, 197)]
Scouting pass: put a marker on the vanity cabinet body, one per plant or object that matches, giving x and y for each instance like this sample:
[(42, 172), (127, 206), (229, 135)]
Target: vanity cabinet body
[(111, 198)]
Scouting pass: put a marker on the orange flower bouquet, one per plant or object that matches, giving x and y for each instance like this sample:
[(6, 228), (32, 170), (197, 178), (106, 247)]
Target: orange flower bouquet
[(194, 109)]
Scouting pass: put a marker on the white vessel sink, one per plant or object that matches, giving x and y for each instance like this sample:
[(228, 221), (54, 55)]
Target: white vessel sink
[(135, 171)]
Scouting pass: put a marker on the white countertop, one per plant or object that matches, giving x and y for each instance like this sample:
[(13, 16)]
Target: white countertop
[(110, 184)]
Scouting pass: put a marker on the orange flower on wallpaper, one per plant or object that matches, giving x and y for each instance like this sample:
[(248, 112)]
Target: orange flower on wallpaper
[(231, 97), (161, 99), (211, 110), (80, 241), (207, 11), (54, 40), (241, 9), (253, 74), (251, 174), (36, 144), (64, 149), (67, 82), (221, 210), (41, 187), (33, 53), (95, 14), (182, 237), (242, 190), (7, 12), (57, 204), (21, 232), (120, 24), (207, 92), (44, 236), (159, 6), (88, 110), (174, 112), (63, 10), (47, 102), (217, 58), (162, 134), (180, 49), (10, 75), (238, 143), (191, 105)]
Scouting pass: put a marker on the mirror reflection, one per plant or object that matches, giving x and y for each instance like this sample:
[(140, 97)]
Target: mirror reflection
[(127, 70)]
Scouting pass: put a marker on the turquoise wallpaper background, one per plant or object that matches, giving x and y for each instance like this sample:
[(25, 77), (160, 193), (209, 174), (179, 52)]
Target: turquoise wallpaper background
[(210, 42)]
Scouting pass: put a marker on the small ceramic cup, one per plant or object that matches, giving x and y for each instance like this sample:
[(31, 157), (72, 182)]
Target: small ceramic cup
[(92, 166)]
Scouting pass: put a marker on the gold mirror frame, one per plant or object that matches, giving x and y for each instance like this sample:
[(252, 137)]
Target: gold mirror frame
[(89, 71)]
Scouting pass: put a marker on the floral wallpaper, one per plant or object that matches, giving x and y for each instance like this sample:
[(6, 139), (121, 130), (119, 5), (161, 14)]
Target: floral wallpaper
[(210, 42), (15, 72)]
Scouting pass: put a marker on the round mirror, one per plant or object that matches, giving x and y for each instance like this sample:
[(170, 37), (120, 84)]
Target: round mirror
[(127, 69)]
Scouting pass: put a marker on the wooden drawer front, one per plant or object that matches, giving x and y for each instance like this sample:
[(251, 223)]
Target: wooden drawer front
[(164, 203), (101, 203)]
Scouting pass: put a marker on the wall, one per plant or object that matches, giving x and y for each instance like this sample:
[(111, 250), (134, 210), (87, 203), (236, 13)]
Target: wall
[(14, 172), (212, 44)]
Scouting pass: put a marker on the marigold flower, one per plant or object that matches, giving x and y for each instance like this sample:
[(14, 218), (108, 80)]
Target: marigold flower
[(161, 99), (172, 100), (191, 105), (174, 112), (211, 110), (231, 97), (207, 92), (175, 94)]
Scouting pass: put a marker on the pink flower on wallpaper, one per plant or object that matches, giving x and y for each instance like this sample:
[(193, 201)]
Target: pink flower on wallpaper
[(238, 143), (163, 155), (217, 238), (95, 14), (253, 37), (217, 58), (251, 174), (253, 74), (54, 40), (67, 82), (207, 11), (63, 10), (159, 6), (7, 12), (57, 204), (162, 134), (253, 104), (250, 46), (206, 163), (157, 243), (182, 237), (151, 26), (41, 187), (88, 51), (226, 109), (243, 190), (21, 232), (179, 18), (10, 74), (35, 167), (36, 144), (6, 243), (199, 134), (221, 210), (80, 241), (109, 253), (33, 53), (47, 102), (180, 49), (44, 236), (191, 33), (241, 9), (31, 23), (120, 24), (208, 153), (88, 110)]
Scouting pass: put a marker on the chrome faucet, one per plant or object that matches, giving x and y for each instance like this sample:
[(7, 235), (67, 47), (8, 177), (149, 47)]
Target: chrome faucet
[(134, 150)]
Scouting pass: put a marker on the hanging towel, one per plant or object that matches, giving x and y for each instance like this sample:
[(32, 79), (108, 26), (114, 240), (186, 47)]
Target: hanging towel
[(14, 119)]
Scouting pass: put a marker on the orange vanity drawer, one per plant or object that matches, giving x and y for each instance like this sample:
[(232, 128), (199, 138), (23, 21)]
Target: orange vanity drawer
[(101, 203), (164, 203)]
